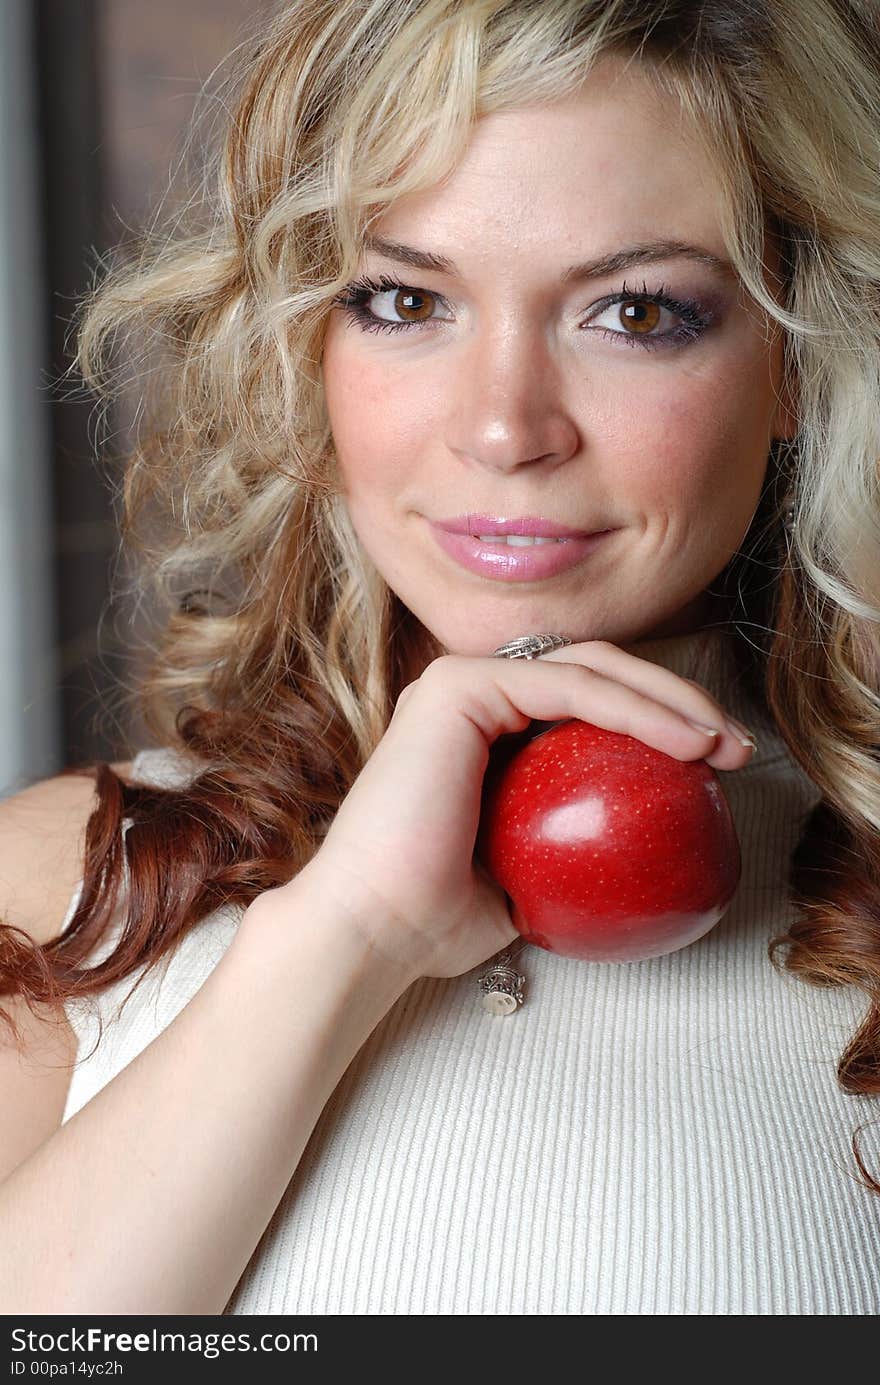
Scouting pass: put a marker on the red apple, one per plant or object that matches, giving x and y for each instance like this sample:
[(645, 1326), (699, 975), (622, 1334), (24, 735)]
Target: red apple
[(610, 850)]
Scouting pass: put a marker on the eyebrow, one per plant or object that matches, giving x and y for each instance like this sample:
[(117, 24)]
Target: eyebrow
[(645, 252)]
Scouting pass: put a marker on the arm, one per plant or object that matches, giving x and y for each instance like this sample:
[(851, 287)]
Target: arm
[(152, 1198)]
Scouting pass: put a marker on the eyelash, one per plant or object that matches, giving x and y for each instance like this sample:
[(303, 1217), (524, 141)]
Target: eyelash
[(695, 318)]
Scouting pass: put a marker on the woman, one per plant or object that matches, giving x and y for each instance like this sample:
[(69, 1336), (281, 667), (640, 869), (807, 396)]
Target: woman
[(610, 265)]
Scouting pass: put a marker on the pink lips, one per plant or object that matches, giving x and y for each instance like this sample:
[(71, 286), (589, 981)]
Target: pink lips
[(503, 563), (524, 524)]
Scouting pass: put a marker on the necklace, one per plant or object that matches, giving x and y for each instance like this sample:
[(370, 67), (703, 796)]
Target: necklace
[(501, 984)]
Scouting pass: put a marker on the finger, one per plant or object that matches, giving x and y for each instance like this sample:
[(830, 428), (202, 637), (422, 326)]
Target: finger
[(686, 697), (517, 691)]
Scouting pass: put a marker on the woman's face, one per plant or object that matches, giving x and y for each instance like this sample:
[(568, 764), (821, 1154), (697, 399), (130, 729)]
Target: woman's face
[(522, 390)]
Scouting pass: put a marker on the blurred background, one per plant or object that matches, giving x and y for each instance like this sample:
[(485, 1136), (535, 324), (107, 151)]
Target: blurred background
[(95, 99)]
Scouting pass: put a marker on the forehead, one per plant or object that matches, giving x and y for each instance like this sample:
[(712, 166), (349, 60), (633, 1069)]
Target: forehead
[(614, 161)]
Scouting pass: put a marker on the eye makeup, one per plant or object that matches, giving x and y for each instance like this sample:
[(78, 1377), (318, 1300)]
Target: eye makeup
[(694, 317)]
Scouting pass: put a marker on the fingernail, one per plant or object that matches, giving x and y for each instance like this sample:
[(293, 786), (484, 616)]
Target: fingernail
[(742, 733), (706, 730)]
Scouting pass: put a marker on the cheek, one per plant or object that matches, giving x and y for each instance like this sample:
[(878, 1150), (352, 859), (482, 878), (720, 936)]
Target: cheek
[(354, 419), (703, 444), (378, 417)]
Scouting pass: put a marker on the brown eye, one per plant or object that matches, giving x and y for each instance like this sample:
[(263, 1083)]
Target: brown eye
[(639, 316), (413, 305)]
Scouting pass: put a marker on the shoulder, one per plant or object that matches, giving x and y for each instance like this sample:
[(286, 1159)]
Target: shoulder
[(42, 847), (42, 850)]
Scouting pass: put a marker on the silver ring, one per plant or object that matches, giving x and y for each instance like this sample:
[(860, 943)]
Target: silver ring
[(530, 646)]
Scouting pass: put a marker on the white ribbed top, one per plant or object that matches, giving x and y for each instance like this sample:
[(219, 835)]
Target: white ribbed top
[(658, 1137)]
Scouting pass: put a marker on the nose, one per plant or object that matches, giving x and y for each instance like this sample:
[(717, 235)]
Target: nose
[(508, 402)]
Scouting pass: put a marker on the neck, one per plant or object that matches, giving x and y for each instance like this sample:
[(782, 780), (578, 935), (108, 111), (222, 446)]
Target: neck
[(686, 621)]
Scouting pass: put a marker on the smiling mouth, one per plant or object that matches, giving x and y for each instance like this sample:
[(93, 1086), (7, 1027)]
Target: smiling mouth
[(517, 557)]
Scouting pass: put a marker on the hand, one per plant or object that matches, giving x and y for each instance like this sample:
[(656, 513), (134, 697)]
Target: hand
[(398, 858)]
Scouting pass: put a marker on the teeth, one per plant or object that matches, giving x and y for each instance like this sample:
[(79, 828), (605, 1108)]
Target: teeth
[(515, 540)]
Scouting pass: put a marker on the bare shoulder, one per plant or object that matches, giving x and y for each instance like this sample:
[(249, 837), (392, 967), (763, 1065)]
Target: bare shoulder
[(42, 848)]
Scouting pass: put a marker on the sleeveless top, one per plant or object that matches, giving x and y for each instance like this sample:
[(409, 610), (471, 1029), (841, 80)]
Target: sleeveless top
[(656, 1137)]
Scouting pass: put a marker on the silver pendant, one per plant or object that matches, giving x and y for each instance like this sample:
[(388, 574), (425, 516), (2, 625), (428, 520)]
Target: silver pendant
[(501, 986)]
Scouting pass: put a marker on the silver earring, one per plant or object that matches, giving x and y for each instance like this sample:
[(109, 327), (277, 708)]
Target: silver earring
[(788, 502)]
